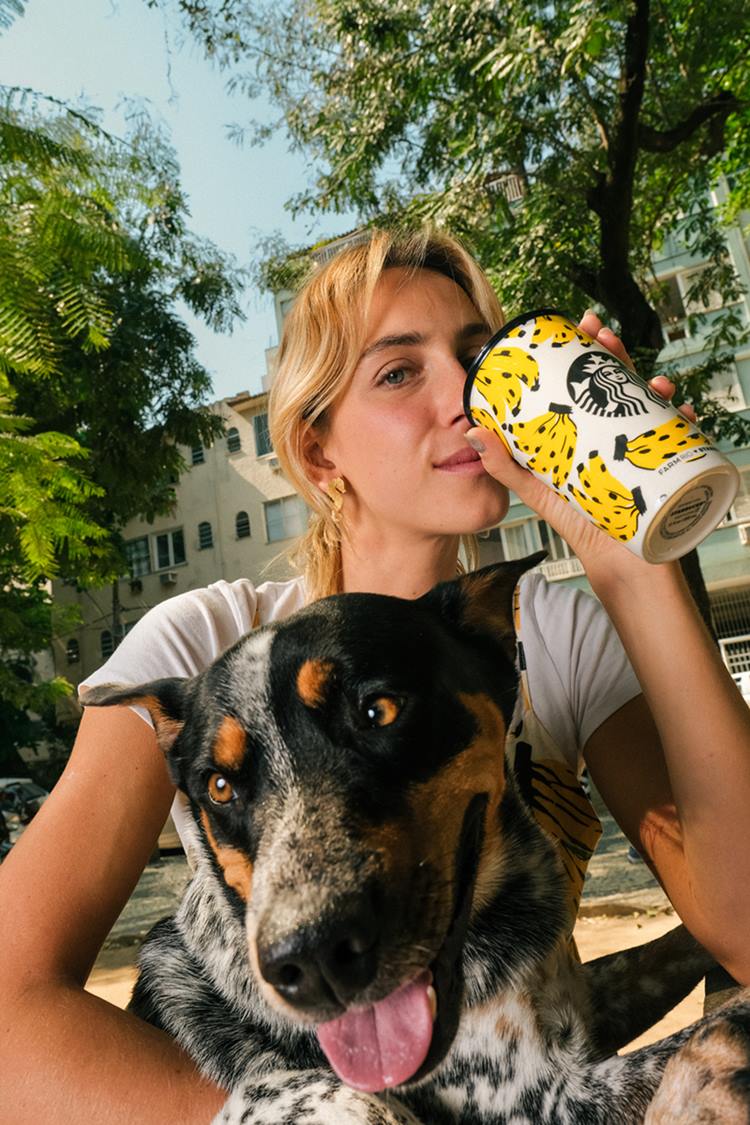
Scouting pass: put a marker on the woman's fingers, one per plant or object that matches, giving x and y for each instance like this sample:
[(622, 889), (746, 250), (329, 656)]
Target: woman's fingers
[(500, 465), (666, 388), (591, 323), (663, 386)]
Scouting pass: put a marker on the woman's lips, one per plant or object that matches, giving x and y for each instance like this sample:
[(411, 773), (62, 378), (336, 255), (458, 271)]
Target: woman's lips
[(466, 462)]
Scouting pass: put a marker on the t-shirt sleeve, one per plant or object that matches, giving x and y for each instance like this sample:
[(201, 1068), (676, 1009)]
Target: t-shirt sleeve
[(179, 637), (578, 671)]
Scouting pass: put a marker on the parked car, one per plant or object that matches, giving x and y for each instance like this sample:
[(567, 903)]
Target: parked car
[(21, 797)]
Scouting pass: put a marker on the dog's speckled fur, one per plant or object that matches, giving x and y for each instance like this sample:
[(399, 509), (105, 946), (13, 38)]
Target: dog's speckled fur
[(363, 739)]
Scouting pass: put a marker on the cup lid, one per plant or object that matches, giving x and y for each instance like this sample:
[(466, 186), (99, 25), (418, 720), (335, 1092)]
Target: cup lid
[(492, 343)]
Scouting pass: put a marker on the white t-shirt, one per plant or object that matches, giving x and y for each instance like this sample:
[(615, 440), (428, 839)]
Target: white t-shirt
[(578, 673)]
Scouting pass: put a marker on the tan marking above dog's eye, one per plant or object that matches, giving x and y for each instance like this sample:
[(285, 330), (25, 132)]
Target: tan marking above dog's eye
[(220, 790), (382, 710)]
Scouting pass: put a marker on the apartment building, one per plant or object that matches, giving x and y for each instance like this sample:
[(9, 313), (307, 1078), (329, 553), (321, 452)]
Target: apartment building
[(235, 516)]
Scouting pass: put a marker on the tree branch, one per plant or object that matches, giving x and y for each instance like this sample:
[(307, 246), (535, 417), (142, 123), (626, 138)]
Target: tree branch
[(666, 140), (585, 278)]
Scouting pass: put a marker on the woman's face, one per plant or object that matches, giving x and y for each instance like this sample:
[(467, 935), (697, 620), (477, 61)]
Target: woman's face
[(396, 435)]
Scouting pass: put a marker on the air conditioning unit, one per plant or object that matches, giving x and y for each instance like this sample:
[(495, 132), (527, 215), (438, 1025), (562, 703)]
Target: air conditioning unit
[(168, 578), (744, 533)]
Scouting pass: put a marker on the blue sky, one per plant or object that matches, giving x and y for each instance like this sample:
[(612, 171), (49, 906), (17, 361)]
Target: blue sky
[(105, 50)]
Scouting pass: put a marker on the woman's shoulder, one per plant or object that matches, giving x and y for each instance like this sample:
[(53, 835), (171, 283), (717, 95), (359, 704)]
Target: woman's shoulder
[(184, 634), (544, 603)]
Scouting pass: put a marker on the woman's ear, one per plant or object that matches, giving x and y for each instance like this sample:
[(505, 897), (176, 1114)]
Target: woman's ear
[(319, 468)]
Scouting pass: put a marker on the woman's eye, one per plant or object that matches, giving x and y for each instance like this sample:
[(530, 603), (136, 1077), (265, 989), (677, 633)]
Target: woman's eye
[(394, 378), (220, 790), (382, 710)]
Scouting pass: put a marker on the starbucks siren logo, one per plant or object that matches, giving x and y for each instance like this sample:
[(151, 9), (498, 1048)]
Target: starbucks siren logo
[(599, 384)]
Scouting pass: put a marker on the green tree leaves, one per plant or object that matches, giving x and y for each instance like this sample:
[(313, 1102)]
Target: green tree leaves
[(617, 118), (99, 382)]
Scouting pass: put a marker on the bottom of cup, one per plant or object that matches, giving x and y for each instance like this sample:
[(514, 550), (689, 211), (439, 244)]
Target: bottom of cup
[(692, 513)]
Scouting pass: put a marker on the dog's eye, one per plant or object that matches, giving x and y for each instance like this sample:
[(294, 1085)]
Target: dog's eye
[(219, 790), (382, 710)]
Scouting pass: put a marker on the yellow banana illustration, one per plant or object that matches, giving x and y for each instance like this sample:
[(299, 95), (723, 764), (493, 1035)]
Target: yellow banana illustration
[(651, 449), (489, 421), (502, 376), (550, 440), (558, 329), (610, 504)]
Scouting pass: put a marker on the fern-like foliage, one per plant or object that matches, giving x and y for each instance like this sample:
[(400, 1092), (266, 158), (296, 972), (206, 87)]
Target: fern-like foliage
[(43, 496)]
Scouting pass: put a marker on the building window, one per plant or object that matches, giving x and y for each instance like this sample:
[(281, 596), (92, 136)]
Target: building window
[(553, 544), (262, 436), (138, 556), (72, 651), (242, 525), (197, 455), (169, 548), (524, 537), (726, 389), (285, 518), (516, 540), (740, 510), (667, 297), (234, 445), (680, 296), (205, 536), (107, 644)]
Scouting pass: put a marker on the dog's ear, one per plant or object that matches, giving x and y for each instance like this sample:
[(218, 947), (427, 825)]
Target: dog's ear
[(164, 700), (482, 600)]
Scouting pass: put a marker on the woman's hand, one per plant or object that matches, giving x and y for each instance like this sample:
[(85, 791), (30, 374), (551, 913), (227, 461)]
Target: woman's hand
[(593, 547)]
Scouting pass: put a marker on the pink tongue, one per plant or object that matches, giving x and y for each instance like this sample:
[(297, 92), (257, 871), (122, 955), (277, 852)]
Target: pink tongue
[(382, 1045)]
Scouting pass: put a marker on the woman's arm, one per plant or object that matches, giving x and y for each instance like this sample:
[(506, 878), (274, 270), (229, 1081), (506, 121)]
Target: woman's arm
[(675, 768), (65, 1055)]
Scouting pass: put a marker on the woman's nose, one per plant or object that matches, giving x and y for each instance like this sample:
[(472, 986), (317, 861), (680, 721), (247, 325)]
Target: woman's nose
[(451, 391)]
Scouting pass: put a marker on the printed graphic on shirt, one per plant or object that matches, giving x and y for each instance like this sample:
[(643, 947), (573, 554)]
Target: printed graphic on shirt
[(559, 805)]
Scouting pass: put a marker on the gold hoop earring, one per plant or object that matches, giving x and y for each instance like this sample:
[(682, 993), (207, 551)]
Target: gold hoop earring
[(335, 490)]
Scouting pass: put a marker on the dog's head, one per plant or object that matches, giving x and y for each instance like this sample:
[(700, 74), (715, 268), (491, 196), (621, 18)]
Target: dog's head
[(346, 770)]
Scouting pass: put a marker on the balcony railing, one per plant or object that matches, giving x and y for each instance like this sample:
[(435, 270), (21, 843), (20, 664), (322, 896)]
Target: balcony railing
[(557, 569)]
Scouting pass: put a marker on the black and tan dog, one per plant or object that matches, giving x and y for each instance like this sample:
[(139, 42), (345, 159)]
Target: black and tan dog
[(375, 931)]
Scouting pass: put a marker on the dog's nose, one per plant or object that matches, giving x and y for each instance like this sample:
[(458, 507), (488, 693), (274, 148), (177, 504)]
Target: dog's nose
[(335, 959)]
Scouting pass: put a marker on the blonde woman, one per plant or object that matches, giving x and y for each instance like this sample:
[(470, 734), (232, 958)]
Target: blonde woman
[(367, 420)]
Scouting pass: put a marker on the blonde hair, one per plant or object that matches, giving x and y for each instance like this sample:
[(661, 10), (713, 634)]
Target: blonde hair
[(320, 347)]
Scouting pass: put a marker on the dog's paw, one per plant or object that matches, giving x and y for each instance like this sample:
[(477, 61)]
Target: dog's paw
[(316, 1097)]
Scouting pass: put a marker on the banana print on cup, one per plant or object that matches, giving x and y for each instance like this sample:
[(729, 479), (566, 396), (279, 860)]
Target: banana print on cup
[(549, 441), (607, 501), (654, 482), (652, 448)]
